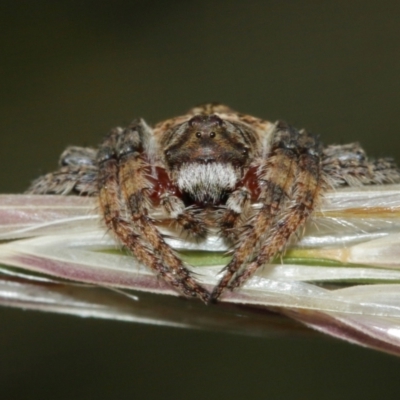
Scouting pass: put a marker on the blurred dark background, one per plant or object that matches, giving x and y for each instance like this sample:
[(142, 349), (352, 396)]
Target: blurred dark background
[(70, 70)]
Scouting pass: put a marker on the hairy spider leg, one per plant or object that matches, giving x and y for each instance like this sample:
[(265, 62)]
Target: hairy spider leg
[(123, 193), (77, 173), (281, 184), (349, 165), (307, 188)]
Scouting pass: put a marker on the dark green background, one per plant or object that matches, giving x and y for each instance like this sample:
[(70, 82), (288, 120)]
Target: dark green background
[(70, 70)]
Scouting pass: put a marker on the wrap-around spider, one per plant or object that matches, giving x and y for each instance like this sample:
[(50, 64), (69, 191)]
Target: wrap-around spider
[(206, 169)]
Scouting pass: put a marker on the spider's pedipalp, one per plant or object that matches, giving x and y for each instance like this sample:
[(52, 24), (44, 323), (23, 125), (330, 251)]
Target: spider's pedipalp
[(190, 219), (237, 210)]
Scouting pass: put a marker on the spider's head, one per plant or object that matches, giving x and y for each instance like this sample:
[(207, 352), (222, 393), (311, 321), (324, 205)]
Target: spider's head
[(206, 156), (206, 139)]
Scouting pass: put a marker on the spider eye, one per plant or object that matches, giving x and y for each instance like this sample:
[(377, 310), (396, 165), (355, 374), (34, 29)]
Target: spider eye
[(212, 134), (198, 134)]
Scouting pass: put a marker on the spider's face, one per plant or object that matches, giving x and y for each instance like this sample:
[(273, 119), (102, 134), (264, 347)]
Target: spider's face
[(206, 139), (206, 156)]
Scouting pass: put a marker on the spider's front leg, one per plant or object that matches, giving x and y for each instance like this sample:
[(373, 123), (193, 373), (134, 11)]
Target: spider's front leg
[(77, 173), (291, 182), (124, 193)]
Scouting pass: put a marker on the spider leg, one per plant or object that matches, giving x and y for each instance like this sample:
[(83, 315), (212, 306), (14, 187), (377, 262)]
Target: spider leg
[(276, 178), (308, 186), (79, 156), (123, 194), (349, 165), (77, 173)]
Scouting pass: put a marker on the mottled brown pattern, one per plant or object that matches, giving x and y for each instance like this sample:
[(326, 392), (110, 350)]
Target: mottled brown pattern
[(206, 169)]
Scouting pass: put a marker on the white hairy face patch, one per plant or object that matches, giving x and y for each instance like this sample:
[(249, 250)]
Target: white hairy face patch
[(206, 182)]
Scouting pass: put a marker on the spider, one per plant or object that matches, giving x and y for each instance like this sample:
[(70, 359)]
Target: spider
[(206, 169)]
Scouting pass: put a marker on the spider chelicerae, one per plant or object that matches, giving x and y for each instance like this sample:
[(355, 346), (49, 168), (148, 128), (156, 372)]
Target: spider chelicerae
[(206, 169)]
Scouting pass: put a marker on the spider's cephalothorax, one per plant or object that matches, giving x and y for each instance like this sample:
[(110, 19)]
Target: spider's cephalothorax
[(206, 156), (206, 169)]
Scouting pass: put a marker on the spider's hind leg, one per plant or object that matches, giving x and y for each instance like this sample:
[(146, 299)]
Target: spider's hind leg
[(349, 165), (77, 174)]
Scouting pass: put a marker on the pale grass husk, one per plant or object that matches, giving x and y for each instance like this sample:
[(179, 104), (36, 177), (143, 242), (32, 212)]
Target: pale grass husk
[(342, 277)]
